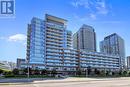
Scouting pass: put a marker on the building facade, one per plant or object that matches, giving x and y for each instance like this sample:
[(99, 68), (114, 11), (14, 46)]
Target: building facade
[(98, 60), (57, 39), (128, 62), (6, 65), (49, 46), (85, 39), (114, 44), (45, 39), (36, 42), (21, 63)]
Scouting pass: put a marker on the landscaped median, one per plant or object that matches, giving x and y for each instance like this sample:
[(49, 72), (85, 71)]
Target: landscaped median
[(36, 73)]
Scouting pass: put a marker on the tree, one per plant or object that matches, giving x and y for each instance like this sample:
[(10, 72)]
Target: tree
[(108, 73), (36, 71), (43, 71), (120, 73), (53, 72), (96, 71), (89, 69), (25, 70), (113, 73), (9, 74), (102, 73), (79, 72), (129, 73), (1, 71), (15, 71), (124, 73)]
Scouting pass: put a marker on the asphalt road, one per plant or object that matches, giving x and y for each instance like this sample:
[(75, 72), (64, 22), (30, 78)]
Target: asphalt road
[(75, 82)]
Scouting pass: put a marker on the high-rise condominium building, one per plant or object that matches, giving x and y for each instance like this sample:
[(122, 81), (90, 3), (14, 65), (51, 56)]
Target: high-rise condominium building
[(49, 46), (85, 38), (114, 44), (45, 40)]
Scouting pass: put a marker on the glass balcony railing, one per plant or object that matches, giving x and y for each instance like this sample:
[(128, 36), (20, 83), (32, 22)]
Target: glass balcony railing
[(55, 26)]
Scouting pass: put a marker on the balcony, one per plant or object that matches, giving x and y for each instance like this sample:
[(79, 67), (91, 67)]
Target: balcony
[(55, 33), (55, 26), (53, 37), (53, 47), (53, 44), (52, 40)]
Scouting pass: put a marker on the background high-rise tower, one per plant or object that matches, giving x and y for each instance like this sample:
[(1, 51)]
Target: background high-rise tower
[(85, 38), (114, 44)]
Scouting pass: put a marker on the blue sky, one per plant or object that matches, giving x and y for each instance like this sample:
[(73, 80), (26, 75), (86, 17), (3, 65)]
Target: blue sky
[(106, 16)]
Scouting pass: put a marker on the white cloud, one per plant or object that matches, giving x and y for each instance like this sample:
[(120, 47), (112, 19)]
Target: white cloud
[(17, 37), (102, 7), (93, 16), (81, 18), (87, 17), (83, 3), (93, 7)]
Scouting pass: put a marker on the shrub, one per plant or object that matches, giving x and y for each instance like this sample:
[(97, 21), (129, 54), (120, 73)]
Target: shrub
[(15, 71), (1, 71), (102, 73), (129, 73), (54, 72), (9, 74), (125, 73)]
